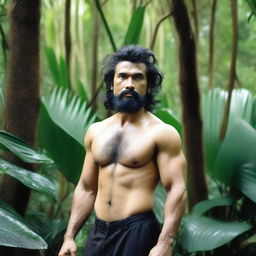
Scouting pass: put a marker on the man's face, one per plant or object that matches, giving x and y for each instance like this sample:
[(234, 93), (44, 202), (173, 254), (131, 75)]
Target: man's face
[(129, 86)]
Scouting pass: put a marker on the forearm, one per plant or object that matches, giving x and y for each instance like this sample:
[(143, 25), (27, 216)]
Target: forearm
[(82, 206), (174, 209)]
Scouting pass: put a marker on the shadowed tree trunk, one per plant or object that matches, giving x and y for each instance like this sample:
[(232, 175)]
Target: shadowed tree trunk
[(195, 18), (159, 22), (94, 56), (67, 33), (211, 43), (190, 98), (232, 70), (22, 98)]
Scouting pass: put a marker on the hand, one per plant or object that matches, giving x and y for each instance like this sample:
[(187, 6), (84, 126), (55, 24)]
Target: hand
[(161, 249), (68, 248)]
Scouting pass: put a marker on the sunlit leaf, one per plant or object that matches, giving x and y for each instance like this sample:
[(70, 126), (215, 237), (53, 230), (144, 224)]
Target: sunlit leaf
[(235, 151), (14, 231), (64, 77), (135, 26), (168, 117), (242, 105), (245, 180), (159, 202), (64, 120), (53, 65), (21, 149), (200, 233), (204, 206), (32, 180)]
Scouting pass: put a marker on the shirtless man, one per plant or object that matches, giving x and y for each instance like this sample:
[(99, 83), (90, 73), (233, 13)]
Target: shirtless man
[(126, 156)]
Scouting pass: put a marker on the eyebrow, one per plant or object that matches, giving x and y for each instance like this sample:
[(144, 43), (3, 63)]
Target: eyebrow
[(133, 74)]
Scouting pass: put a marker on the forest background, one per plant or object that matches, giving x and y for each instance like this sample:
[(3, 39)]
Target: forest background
[(51, 90)]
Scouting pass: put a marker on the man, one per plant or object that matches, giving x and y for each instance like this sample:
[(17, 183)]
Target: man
[(126, 156)]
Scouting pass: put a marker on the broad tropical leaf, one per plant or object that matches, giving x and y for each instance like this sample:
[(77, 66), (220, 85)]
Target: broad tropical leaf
[(53, 65), (159, 202), (242, 106), (212, 108), (64, 119), (245, 180), (204, 206), (48, 229), (200, 233), (21, 149), (14, 231), (32, 180), (235, 151), (168, 117), (135, 26)]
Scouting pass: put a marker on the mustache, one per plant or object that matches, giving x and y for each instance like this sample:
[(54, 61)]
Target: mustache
[(128, 91)]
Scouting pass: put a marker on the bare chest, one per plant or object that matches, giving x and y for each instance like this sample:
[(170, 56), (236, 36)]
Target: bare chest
[(133, 149)]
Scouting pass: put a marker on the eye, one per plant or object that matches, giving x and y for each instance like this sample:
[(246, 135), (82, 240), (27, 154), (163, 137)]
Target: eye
[(122, 75), (138, 76)]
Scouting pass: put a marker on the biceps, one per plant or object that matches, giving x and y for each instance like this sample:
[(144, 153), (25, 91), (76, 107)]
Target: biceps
[(89, 175), (171, 169)]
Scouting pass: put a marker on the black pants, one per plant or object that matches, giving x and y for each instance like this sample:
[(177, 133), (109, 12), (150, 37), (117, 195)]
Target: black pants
[(134, 236)]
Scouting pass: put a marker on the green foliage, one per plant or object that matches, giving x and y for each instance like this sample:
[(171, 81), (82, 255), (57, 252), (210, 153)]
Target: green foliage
[(135, 26), (21, 149), (32, 180), (58, 68), (201, 233), (252, 4), (231, 163), (14, 231), (64, 119)]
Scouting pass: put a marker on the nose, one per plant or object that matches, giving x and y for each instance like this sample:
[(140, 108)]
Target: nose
[(129, 84)]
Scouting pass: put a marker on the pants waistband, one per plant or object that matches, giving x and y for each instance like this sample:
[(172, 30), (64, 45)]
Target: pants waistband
[(124, 222)]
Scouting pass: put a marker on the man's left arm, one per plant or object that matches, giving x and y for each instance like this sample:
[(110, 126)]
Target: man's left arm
[(171, 164)]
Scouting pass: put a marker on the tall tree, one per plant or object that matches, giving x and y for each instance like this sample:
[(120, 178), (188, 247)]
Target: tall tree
[(22, 95), (95, 41), (190, 99), (232, 69), (211, 43), (67, 33)]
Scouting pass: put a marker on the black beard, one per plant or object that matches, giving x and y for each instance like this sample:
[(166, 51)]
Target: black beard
[(131, 104)]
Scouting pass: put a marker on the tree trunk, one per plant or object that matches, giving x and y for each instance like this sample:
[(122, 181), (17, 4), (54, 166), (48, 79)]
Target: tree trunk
[(94, 56), (232, 70), (211, 43), (190, 99), (22, 96), (67, 34), (195, 18)]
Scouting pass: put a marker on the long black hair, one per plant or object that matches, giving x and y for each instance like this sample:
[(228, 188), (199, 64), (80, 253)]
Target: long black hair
[(136, 54)]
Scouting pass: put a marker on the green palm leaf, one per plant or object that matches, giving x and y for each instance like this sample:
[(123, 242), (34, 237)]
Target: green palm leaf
[(64, 119), (235, 151), (135, 26), (242, 105), (21, 149), (200, 233), (245, 180), (14, 231), (206, 205), (32, 180), (166, 115)]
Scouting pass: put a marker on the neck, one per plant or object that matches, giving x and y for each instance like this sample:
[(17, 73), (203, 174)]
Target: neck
[(130, 117)]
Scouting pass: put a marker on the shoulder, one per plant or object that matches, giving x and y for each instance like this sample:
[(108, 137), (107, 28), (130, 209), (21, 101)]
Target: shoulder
[(165, 135), (94, 130)]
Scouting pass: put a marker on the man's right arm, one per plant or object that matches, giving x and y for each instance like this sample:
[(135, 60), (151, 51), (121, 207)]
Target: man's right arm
[(83, 200)]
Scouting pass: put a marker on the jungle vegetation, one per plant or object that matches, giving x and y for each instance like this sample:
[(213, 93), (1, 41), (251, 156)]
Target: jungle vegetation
[(51, 90)]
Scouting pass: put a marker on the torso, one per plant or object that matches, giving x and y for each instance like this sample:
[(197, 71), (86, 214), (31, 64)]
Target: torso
[(128, 175)]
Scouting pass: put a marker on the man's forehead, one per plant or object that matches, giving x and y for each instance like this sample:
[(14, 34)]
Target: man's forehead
[(133, 67)]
